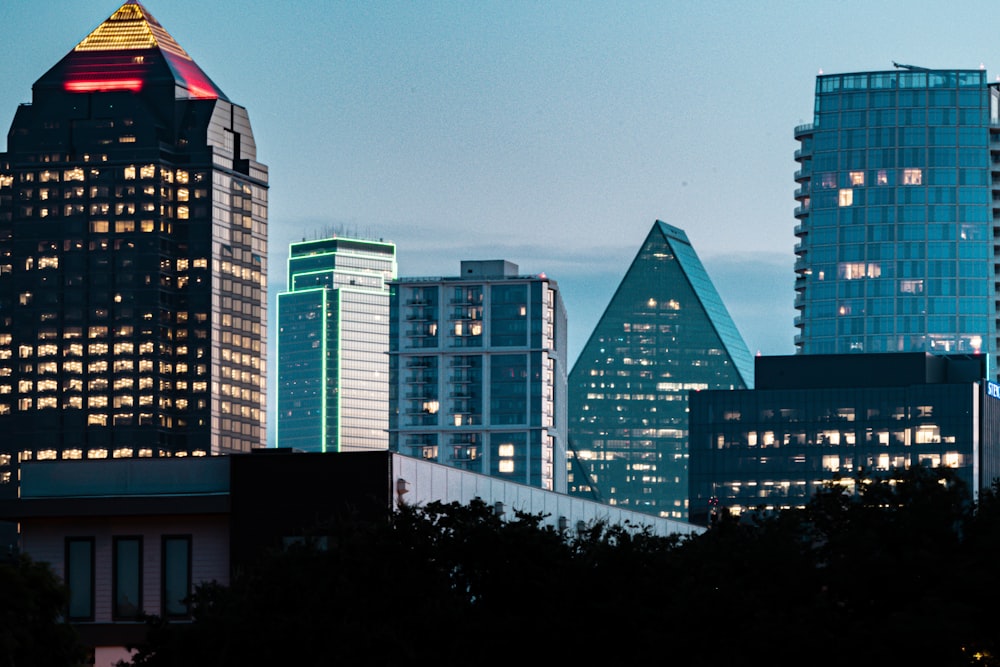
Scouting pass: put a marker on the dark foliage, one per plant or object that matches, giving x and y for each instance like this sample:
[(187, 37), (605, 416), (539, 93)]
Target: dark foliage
[(903, 572), (32, 633)]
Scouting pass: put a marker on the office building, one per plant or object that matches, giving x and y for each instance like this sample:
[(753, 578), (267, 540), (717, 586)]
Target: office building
[(333, 346), (817, 419), (664, 333), (133, 256), (477, 373), (895, 217)]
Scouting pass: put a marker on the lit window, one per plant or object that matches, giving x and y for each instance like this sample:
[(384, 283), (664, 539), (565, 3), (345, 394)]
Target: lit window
[(857, 177), (506, 465), (846, 197), (505, 450), (912, 176)]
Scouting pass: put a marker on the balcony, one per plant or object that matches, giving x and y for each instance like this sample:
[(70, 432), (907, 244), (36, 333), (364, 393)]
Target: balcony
[(804, 130)]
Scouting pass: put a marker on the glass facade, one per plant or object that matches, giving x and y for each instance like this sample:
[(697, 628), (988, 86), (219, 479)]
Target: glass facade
[(477, 369), (773, 448), (333, 340), (896, 202), (133, 258), (664, 333)]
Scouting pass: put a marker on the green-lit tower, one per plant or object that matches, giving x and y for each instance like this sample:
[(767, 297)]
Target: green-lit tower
[(333, 344), (665, 333)]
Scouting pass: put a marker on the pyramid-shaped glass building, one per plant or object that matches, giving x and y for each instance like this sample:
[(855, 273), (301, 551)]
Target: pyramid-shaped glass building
[(665, 332)]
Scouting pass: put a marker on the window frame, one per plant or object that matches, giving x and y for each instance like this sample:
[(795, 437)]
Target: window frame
[(116, 612), (165, 607), (69, 575)]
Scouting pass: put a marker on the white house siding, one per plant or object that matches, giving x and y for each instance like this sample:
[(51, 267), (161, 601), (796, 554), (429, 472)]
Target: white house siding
[(45, 540)]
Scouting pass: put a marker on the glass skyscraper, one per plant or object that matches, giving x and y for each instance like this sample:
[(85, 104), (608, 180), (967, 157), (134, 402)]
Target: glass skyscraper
[(477, 373), (664, 334), (896, 203), (333, 345), (133, 258)]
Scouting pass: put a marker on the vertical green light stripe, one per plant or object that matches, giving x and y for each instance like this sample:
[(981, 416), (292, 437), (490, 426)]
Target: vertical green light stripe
[(323, 390)]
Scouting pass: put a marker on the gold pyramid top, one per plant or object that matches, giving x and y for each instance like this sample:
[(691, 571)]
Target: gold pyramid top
[(106, 60), (131, 27)]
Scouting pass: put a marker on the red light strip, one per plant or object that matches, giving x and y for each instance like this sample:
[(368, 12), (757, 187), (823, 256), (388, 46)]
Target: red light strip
[(92, 85)]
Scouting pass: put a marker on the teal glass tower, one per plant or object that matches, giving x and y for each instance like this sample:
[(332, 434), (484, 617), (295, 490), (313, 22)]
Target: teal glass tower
[(665, 333), (896, 210), (332, 347)]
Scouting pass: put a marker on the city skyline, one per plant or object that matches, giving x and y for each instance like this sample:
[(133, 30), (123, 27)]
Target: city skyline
[(552, 135)]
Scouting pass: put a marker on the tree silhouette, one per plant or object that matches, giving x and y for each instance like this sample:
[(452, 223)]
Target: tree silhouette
[(901, 572)]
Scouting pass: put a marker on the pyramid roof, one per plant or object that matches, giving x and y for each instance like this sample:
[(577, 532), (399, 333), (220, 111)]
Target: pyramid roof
[(128, 51)]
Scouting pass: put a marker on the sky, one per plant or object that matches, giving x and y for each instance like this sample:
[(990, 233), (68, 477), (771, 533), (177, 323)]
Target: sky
[(550, 134)]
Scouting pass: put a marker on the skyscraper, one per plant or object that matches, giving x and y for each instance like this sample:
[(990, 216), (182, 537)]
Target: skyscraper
[(896, 210), (665, 333), (333, 345), (133, 256), (477, 373)]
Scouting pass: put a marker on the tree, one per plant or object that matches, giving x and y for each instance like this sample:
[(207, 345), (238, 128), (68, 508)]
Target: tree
[(32, 632), (901, 572)]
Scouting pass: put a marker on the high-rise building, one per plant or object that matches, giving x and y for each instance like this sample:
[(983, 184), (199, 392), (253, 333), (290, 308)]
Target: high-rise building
[(133, 256), (664, 333), (477, 373), (896, 214), (333, 346)]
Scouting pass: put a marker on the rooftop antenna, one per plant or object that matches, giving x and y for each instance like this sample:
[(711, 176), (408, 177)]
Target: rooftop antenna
[(912, 68)]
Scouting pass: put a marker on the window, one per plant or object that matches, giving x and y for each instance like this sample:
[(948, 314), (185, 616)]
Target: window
[(912, 176), (127, 577), (176, 584), (80, 578), (857, 177), (846, 197)]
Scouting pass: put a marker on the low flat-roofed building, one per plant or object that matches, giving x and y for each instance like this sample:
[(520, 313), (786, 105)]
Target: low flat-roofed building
[(814, 419), (136, 535)]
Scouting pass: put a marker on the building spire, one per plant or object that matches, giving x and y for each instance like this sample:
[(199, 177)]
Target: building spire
[(121, 53)]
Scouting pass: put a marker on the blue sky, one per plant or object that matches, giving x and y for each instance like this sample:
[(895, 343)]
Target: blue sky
[(551, 134)]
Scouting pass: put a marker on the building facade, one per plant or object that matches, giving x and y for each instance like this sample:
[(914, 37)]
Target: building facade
[(895, 216), (134, 536), (664, 333), (817, 419), (333, 346), (133, 258), (477, 373)]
